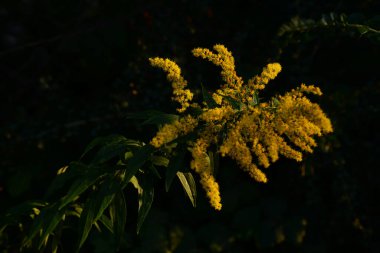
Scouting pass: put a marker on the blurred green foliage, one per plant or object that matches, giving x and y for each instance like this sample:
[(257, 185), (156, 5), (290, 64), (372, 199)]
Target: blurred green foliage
[(72, 71)]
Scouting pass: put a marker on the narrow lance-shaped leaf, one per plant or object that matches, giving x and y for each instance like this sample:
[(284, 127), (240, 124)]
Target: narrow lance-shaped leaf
[(100, 141), (160, 161), (77, 188), (237, 105), (14, 214), (118, 214), (146, 195), (188, 184), (85, 222), (46, 221), (175, 165), (137, 161), (114, 149), (50, 225), (106, 222), (95, 207), (73, 170)]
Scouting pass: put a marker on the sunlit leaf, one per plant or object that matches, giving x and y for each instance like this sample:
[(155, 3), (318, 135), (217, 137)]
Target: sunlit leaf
[(136, 162), (160, 161), (114, 149), (188, 184), (74, 169), (175, 164), (14, 214), (46, 222), (146, 195), (106, 222)]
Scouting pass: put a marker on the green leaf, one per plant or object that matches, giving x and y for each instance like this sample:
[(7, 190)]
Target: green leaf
[(86, 221), (78, 187), (237, 105), (14, 214), (153, 169), (95, 207), (118, 214), (113, 149), (55, 244), (136, 162), (160, 161), (188, 185), (46, 222), (175, 164), (50, 223), (208, 98), (106, 222), (74, 169), (275, 102), (362, 29), (101, 141), (255, 98), (146, 195)]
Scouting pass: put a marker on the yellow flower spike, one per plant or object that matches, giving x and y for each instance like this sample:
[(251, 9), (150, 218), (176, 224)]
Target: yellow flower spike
[(201, 161), (311, 89), (217, 98), (180, 94), (212, 190), (216, 114), (170, 132), (257, 174), (225, 60), (260, 152), (269, 73)]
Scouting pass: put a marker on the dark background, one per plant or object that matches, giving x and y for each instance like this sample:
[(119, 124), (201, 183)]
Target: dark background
[(71, 70)]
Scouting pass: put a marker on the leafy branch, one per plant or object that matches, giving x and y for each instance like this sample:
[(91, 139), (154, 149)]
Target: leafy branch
[(329, 21)]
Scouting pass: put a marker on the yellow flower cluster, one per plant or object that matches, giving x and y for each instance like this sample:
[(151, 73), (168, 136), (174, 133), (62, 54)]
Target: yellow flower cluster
[(217, 114), (253, 134), (225, 60), (180, 94), (170, 132), (269, 73)]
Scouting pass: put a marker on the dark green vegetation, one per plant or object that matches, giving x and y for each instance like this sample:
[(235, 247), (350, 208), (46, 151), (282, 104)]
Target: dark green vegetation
[(72, 71)]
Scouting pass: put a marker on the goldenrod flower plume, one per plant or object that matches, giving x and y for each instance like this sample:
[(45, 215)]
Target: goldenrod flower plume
[(252, 132)]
